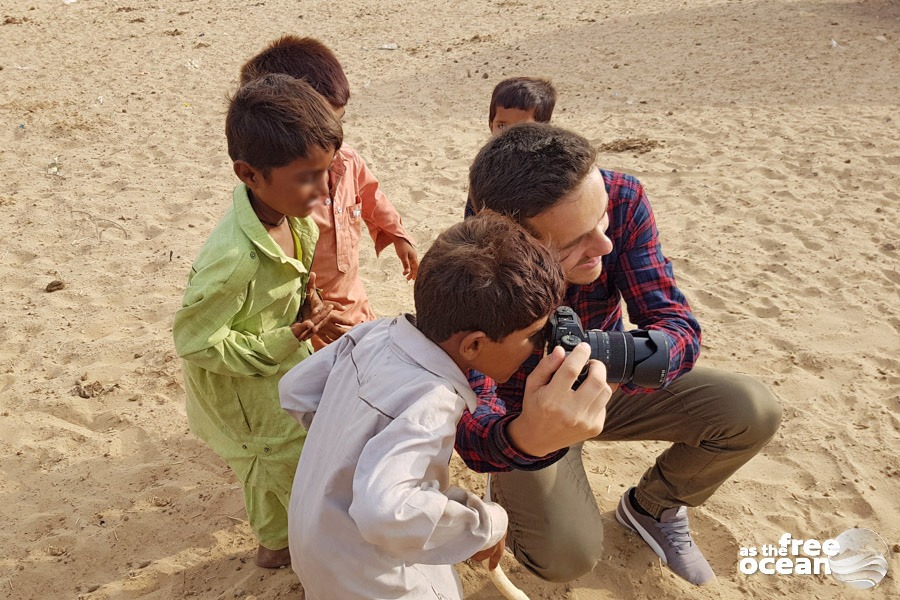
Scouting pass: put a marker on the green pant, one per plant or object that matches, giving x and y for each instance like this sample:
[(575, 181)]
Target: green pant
[(267, 513), (717, 421)]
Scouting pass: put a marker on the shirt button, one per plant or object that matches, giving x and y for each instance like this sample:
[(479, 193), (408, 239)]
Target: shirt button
[(253, 255), (327, 201), (339, 208), (244, 446), (266, 450)]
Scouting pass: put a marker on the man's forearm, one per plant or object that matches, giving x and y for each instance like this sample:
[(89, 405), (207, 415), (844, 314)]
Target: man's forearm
[(534, 438), (526, 439), (486, 447)]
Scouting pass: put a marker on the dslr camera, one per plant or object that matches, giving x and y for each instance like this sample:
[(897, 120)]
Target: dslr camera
[(640, 357)]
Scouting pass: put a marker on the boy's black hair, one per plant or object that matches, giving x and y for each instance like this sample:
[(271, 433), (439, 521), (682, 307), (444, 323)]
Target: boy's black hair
[(303, 58), (525, 93), (485, 274), (274, 120)]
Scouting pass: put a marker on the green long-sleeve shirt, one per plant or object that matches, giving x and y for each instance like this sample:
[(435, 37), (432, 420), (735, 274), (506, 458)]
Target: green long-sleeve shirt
[(233, 334)]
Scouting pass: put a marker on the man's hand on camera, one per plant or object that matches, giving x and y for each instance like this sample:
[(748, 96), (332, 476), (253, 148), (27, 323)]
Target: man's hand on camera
[(554, 416)]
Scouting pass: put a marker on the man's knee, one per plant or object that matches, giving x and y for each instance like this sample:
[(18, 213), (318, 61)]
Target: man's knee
[(755, 412), (564, 559)]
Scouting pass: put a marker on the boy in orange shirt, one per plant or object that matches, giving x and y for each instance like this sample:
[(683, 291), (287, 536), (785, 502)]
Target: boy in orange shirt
[(354, 196)]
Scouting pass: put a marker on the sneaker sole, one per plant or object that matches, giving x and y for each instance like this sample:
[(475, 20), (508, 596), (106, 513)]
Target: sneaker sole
[(626, 519)]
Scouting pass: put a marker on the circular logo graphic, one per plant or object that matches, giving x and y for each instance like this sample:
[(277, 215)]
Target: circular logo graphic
[(861, 561)]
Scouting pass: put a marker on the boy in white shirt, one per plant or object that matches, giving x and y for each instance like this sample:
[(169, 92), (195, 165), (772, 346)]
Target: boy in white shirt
[(372, 514)]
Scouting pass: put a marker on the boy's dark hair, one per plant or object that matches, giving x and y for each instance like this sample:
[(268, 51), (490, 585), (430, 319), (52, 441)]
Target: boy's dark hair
[(277, 119), (529, 168), (302, 58), (524, 93), (485, 274)]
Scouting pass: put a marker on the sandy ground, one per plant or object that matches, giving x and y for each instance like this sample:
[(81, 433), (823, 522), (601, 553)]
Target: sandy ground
[(769, 147)]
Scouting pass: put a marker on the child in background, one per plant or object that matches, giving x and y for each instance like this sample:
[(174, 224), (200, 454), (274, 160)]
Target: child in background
[(353, 193), (372, 514), (518, 100), (237, 330)]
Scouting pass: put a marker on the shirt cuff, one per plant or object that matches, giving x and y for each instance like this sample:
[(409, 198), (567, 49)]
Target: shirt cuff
[(499, 523), (506, 453), (383, 239), (280, 343)]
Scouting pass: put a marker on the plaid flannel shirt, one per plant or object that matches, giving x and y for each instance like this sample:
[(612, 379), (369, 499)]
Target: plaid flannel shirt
[(637, 271)]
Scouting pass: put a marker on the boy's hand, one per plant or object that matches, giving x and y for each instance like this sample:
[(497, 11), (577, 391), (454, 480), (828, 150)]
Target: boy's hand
[(335, 326), (314, 313), (408, 258), (554, 416), (494, 553), (313, 304), (324, 314), (304, 330)]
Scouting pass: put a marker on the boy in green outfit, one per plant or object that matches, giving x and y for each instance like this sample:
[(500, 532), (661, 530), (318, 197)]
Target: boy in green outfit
[(250, 307)]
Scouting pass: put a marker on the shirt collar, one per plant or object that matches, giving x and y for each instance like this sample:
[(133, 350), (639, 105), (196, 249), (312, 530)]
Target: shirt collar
[(338, 167), (407, 340), (254, 230)]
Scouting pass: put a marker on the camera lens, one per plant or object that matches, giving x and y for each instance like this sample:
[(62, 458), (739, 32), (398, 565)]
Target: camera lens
[(641, 356), (615, 350)]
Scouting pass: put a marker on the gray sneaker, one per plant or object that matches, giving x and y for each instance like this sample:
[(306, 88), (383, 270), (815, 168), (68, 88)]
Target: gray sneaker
[(670, 538)]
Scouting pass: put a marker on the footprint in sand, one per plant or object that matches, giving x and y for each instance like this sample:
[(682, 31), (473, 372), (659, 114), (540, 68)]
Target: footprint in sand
[(708, 300), (767, 312), (418, 195), (892, 276)]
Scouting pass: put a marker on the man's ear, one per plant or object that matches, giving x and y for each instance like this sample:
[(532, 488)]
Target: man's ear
[(471, 345), (247, 173)]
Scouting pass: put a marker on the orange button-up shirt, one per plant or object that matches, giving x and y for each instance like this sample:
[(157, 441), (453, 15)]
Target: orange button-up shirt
[(354, 199)]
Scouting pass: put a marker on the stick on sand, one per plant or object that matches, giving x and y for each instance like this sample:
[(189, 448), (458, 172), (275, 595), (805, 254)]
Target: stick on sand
[(506, 587)]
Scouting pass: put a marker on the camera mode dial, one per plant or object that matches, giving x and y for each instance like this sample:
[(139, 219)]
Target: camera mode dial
[(569, 341)]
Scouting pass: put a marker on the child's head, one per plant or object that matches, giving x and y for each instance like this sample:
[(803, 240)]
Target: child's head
[(302, 58), (282, 137), (486, 288), (521, 100)]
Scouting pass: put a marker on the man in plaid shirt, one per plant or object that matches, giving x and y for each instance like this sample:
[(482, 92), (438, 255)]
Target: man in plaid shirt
[(601, 224)]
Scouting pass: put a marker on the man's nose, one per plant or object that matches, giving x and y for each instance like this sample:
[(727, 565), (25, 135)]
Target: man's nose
[(601, 242)]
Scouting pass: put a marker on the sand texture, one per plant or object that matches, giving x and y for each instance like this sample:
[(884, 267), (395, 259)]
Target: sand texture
[(767, 134)]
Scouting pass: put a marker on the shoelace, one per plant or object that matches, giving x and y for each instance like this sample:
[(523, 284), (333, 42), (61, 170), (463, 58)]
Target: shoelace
[(678, 534)]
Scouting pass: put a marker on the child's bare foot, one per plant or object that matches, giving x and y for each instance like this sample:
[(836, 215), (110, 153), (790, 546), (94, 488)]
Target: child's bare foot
[(272, 559)]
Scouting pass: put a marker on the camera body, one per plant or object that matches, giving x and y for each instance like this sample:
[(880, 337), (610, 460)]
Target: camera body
[(640, 357)]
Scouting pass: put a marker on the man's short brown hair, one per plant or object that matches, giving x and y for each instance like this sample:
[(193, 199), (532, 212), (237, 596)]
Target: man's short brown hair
[(485, 274), (277, 119), (528, 169), (302, 58), (524, 93)]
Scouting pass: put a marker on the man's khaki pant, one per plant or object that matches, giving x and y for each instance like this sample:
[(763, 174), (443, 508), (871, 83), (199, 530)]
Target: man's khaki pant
[(717, 421)]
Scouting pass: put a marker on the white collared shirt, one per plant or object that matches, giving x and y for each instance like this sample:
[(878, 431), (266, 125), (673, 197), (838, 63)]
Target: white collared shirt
[(372, 513)]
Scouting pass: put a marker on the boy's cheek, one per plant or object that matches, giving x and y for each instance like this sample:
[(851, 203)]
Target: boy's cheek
[(311, 194)]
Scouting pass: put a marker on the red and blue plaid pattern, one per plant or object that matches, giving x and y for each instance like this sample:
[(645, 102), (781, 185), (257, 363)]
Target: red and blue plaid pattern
[(637, 271)]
